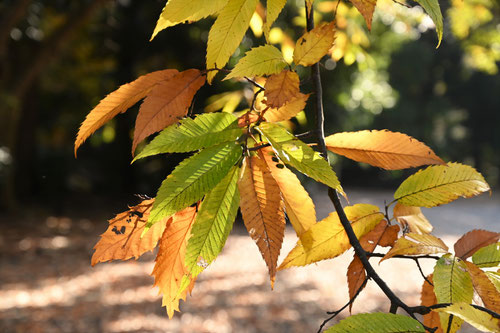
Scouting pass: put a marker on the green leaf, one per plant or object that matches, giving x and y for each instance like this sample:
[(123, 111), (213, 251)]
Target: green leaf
[(452, 284), (193, 178), (440, 184), (495, 279), (377, 323), (204, 131), (180, 11), (477, 318), (488, 256), (299, 155), (432, 8), (262, 60)]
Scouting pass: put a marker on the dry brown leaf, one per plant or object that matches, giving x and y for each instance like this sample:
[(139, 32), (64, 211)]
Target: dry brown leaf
[(484, 287), (281, 88), (411, 217), (473, 241), (247, 119), (428, 298), (169, 264), (122, 240), (315, 44), (390, 236), (383, 149), (168, 102), (415, 244), (298, 204), (119, 101), (366, 8), (262, 210), (287, 111)]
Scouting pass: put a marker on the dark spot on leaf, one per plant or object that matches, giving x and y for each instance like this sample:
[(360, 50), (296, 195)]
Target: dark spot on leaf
[(122, 229), (115, 230), (280, 166), (275, 159), (139, 214)]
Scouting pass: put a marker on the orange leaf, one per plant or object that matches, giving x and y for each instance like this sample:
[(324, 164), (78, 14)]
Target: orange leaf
[(168, 102), (169, 264), (298, 204), (262, 210), (428, 298), (119, 101), (414, 244), (281, 88), (366, 8), (315, 44), (473, 241), (484, 287), (122, 240), (390, 236), (247, 119), (287, 111), (384, 149), (411, 217)]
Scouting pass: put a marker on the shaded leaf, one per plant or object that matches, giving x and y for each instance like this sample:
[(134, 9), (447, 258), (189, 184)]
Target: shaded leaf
[(428, 298), (440, 184), (494, 278), (384, 149), (412, 218), (484, 287), (488, 256), (206, 130), (287, 111), (377, 323), (432, 8), (315, 44), (327, 239), (366, 8), (477, 318), (169, 264), (227, 32), (122, 240), (416, 244), (167, 102), (259, 61), (273, 9), (193, 178), (119, 101), (281, 88), (390, 236), (472, 241), (262, 210)]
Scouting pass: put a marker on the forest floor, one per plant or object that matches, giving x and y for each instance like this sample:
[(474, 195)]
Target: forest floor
[(48, 285)]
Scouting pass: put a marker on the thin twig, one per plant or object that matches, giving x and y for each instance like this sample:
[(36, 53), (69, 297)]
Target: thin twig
[(402, 256), (422, 272), (259, 147), (254, 83), (305, 134)]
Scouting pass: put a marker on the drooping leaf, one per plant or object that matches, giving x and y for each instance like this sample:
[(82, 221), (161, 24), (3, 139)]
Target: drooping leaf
[(377, 323), (484, 287), (488, 256), (281, 88), (259, 61), (273, 9), (298, 204), (415, 244), (479, 319), (432, 8), (327, 239), (299, 155), (366, 8), (287, 111), (193, 178), (384, 149), (206, 130), (315, 44), (262, 210), (440, 184), (227, 32), (412, 218), (390, 236), (122, 240), (428, 298), (166, 104), (472, 241), (452, 284), (169, 264), (119, 101)]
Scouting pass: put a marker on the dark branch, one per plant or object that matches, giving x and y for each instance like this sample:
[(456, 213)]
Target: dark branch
[(401, 256)]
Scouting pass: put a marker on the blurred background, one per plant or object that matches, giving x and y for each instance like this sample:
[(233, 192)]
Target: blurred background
[(59, 58)]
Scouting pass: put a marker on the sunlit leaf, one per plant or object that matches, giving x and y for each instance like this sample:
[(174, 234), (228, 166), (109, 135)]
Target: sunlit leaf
[(259, 61), (412, 218), (416, 244), (366, 8), (281, 88), (314, 45), (287, 111), (477, 318), (472, 241), (273, 9), (390, 236), (432, 8), (377, 323), (488, 256)]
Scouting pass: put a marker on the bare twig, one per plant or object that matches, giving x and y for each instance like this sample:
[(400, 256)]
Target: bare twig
[(255, 83), (402, 256)]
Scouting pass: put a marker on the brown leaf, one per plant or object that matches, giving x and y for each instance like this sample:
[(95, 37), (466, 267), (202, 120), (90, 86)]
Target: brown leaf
[(473, 241), (287, 111), (415, 244), (119, 101), (247, 119), (282, 88), (411, 217), (168, 102), (262, 210), (428, 298), (390, 236), (366, 8), (169, 264), (484, 287), (122, 240)]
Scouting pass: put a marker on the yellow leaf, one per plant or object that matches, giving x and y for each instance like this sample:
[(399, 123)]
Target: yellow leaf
[(298, 204), (484, 287), (383, 149), (167, 103), (313, 45), (440, 184), (366, 8), (227, 32), (412, 218), (327, 239), (477, 318), (181, 11), (262, 60), (281, 88), (428, 298), (119, 101), (414, 244), (262, 210), (287, 111), (169, 264), (473, 241), (273, 9), (122, 240)]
